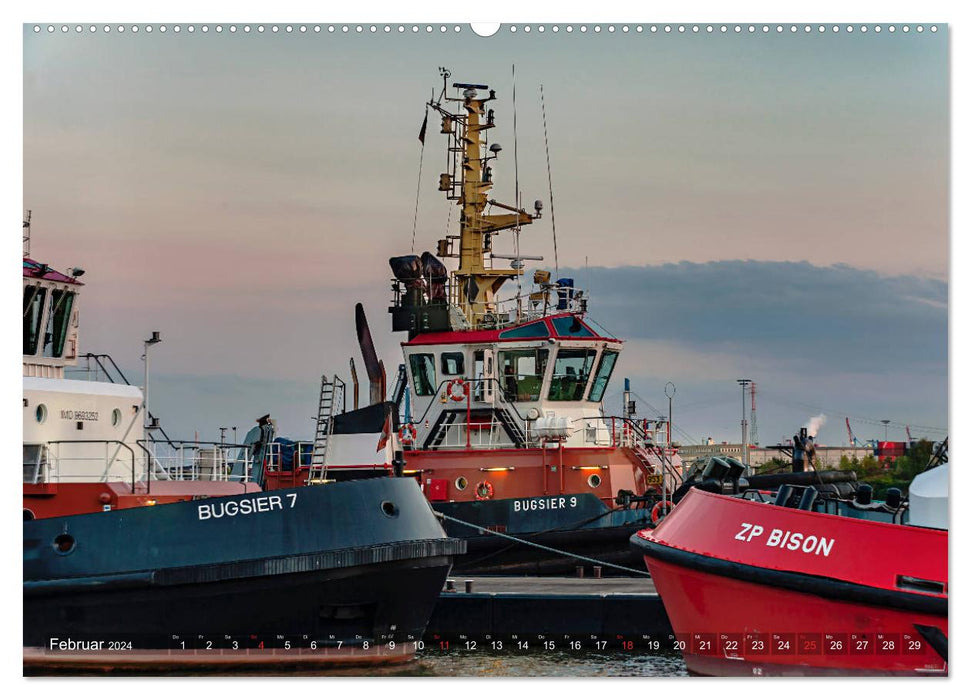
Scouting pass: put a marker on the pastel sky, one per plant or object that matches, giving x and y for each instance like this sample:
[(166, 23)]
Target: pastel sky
[(767, 205)]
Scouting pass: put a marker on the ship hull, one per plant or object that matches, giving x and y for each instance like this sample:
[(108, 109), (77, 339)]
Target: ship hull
[(742, 606), (579, 524), (353, 565)]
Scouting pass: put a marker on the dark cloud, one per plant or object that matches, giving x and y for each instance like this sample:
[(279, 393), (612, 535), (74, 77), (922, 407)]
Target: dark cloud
[(836, 340), (837, 319)]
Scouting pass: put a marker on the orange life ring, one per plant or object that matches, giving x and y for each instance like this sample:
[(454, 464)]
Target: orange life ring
[(656, 516), (407, 434), (450, 390), (483, 491)]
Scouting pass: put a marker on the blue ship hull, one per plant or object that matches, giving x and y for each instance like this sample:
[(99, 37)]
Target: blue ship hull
[(350, 563), (577, 523)]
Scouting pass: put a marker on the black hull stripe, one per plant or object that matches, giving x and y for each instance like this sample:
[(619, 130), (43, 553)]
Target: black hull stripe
[(428, 550), (831, 588)]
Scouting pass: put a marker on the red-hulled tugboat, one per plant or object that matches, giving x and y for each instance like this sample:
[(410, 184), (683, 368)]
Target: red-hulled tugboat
[(498, 406), (758, 584)]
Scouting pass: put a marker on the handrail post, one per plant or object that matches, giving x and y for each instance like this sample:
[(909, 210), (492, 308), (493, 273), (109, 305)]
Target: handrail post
[(468, 419), (546, 469)]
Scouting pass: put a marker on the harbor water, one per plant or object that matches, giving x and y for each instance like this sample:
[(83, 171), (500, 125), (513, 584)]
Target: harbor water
[(462, 663)]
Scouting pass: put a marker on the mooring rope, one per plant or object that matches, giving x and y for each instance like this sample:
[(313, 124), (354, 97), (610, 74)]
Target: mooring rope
[(561, 528), (561, 552)]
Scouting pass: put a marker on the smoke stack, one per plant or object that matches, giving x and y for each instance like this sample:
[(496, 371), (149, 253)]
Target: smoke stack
[(357, 386), (804, 446), (379, 389), (799, 450)]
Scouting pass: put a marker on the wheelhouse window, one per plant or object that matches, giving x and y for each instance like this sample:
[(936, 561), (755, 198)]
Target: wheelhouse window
[(536, 329), (453, 363), (571, 326), (521, 373), (607, 362), (571, 369), (57, 322), (34, 298), (423, 373)]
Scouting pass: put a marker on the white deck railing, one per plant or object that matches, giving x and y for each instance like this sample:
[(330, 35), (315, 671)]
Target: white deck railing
[(104, 460)]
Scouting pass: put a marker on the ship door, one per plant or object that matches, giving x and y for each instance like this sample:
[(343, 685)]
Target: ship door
[(484, 368)]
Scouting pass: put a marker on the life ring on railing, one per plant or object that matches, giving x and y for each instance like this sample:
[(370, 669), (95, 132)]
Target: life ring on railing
[(407, 434), (461, 394), (656, 516), (483, 491)]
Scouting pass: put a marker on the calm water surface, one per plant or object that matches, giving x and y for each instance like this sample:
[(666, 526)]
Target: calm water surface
[(544, 664)]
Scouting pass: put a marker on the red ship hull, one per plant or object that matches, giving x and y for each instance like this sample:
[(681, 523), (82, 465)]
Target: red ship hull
[(853, 597)]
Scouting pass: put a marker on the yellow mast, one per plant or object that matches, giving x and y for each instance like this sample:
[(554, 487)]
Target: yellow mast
[(475, 285)]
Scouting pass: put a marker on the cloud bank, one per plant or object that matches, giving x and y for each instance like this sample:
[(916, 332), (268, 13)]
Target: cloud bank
[(819, 319)]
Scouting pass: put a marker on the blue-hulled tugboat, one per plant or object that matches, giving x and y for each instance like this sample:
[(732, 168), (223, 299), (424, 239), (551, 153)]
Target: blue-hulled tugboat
[(329, 572), (145, 554)]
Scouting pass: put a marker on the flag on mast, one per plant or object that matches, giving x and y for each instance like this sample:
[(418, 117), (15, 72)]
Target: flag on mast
[(424, 126)]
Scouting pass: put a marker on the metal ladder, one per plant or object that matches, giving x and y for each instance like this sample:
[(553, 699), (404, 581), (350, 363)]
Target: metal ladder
[(331, 392), (513, 429), (400, 385), (438, 432)]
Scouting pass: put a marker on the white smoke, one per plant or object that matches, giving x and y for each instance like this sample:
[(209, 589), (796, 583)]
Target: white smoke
[(813, 425)]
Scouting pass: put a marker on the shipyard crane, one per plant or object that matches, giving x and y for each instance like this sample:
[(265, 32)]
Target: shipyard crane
[(858, 443)]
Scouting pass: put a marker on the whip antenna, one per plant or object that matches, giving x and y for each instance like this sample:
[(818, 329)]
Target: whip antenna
[(515, 160), (515, 140), (549, 177)]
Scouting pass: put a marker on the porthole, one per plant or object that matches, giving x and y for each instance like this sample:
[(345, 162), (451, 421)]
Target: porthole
[(64, 544), (28, 514), (461, 483), (594, 480), (40, 413), (116, 417), (389, 509)]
